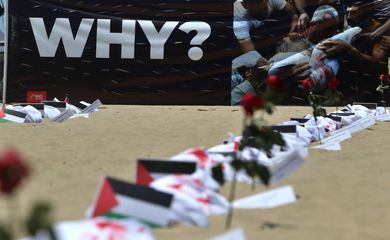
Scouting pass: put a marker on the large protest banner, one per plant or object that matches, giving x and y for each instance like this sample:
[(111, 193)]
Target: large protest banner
[(137, 52)]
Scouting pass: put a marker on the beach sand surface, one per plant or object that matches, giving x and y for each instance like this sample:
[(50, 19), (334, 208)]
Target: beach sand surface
[(342, 194)]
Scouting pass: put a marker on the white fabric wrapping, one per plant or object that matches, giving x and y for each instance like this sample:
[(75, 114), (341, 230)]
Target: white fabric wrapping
[(193, 200), (33, 115)]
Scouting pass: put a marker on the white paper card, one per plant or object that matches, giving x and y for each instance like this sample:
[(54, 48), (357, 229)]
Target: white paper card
[(64, 116), (97, 103), (383, 118), (363, 123), (270, 199), (80, 115), (286, 163), (235, 234), (330, 146), (337, 137)]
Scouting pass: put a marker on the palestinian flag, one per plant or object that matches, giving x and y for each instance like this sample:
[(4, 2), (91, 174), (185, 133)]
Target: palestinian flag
[(38, 106), (61, 106), (371, 106), (284, 128), (300, 120), (118, 199), (13, 116), (225, 148), (2, 114), (79, 105), (149, 170)]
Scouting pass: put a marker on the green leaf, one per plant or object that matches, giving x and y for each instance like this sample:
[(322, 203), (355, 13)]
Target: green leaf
[(217, 173), (263, 173), (262, 139), (274, 97), (381, 88), (5, 233), (39, 218), (237, 164), (255, 170), (319, 111), (269, 108), (333, 97), (278, 139), (249, 169), (315, 102)]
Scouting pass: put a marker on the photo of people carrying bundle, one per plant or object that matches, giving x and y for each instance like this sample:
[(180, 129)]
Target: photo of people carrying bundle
[(311, 42)]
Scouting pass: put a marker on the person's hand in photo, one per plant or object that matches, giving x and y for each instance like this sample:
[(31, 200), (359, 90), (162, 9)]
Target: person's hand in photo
[(333, 48), (293, 71), (303, 22)]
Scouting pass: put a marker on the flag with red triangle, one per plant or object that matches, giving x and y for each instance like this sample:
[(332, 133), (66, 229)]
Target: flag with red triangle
[(2, 114), (13, 116), (149, 170), (119, 199)]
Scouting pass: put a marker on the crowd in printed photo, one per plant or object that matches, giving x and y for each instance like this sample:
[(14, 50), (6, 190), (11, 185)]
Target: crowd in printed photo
[(312, 41)]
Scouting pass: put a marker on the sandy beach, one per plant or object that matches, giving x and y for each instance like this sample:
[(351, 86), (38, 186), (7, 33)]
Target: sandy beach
[(342, 195)]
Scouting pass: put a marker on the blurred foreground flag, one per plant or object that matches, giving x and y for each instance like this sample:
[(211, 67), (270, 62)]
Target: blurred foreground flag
[(235, 234), (194, 197), (118, 199), (99, 229)]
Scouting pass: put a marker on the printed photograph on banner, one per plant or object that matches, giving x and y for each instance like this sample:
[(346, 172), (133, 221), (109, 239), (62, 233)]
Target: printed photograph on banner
[(122, 52), (2, 7), (298, 40)]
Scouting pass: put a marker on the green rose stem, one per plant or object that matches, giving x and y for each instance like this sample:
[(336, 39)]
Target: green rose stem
[(234, 183), (382, 88), (262, 119), (11, 213), (251, 131), (383, 95), (314, 105), (253, 183), (262, 116), (10, 216), (337, 102), (231, 198), (318, 129)]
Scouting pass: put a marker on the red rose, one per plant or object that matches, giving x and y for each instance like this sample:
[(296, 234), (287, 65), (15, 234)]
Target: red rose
[(275, 82), (307, 84), (334, 83), (12, 171), (251, 102), (382, 77)]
